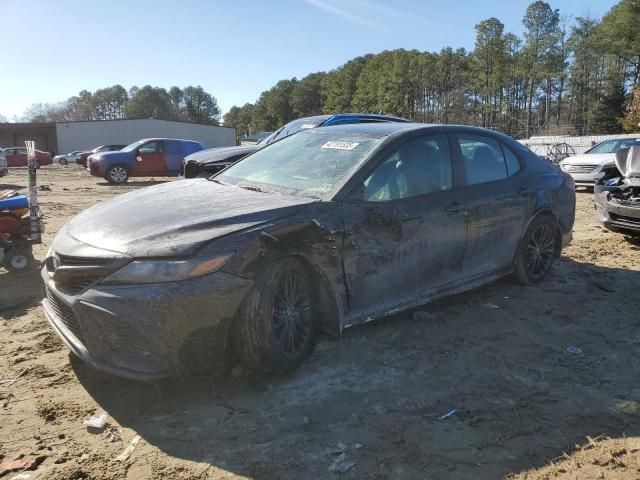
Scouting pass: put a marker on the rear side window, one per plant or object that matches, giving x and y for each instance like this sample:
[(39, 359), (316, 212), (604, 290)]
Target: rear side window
[(513, 164), (483, 159)]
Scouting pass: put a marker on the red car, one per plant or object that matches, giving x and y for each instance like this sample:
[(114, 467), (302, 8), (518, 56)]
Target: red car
[(17, 157)]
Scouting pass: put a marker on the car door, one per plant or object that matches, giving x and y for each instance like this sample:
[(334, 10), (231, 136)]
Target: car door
[(11, 157), (404, 225), (150, 159), (496, 199), (19, 157)]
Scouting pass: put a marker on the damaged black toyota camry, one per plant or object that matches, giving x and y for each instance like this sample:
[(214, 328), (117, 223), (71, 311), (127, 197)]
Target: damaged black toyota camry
[(323, 230)]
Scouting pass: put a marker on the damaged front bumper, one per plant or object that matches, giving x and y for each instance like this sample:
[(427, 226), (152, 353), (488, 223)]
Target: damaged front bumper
[(150, 331), (614, 214)]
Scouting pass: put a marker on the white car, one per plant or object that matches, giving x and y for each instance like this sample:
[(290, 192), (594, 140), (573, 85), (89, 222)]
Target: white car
[(3, 164), (67, 158), (584, 168)]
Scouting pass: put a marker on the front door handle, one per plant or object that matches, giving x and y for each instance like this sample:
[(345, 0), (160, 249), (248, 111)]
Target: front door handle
[(454, 208), (524, 191)]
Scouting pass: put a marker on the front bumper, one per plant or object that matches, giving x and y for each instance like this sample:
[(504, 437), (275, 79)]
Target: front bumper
[(614, 215), (145, 332), (584, 179)]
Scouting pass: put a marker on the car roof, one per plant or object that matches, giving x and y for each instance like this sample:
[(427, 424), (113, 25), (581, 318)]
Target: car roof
[(388, 128), (335, 116), (165, 138)]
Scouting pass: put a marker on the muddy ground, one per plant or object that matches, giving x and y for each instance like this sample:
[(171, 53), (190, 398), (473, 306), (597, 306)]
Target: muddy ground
[(367, 403)]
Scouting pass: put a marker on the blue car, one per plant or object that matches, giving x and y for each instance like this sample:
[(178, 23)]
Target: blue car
[(158, 157), (212, 160)]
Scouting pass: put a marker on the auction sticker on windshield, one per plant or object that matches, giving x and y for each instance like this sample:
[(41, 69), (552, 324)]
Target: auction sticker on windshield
[(340, 145)]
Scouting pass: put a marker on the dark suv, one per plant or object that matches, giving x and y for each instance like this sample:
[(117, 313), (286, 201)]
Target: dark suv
[(82, 157), (212, 160)]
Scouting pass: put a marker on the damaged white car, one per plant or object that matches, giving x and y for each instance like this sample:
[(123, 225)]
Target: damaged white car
[(617, 192)]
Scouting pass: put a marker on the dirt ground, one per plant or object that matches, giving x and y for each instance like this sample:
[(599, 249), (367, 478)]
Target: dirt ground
[(364, 406)]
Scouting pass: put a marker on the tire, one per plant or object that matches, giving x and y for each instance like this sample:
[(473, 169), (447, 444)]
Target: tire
[(117, 174), (63, 162), (276, 327), (536, 252), (18, 259)]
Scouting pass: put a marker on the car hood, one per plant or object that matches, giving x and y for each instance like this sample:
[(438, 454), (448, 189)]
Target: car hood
[(176, 218), (589, 159), (109, 156), (219, 154), (628, 161)]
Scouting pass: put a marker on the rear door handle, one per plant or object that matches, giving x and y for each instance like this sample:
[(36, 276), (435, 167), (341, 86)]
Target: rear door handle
[(454, 208)]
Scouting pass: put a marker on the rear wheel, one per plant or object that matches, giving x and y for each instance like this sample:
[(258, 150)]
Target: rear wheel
[(275, 330), (63, 161), (537, 251), (117, 174)]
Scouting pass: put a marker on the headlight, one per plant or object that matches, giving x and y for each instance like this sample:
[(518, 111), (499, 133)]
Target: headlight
[(160, 271)]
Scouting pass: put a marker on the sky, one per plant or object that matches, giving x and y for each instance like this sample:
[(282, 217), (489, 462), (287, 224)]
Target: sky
[(233, 49)]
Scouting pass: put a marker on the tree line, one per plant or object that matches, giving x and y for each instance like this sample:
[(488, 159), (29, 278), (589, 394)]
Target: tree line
[(190, 104), (559, 77)]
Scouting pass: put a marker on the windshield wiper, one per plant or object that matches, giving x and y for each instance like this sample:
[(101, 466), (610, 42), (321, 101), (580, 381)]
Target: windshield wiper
[(252, 188), (213, 179)]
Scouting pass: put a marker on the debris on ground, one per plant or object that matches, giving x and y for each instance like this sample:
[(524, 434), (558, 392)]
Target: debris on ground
[(8, 383), (124, 456), (490, 305), (629, 406), (44, 188), (450, 413), (112, 434), (574, 349), (20, 462), (5, 399), (341, 464), (97, 422)]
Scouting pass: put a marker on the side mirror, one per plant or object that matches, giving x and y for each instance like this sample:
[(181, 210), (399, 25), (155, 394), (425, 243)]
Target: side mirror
[(138, 157)]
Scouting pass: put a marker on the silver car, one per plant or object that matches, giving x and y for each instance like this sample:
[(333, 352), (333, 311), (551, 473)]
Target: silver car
[(587, 167), (3, 163)]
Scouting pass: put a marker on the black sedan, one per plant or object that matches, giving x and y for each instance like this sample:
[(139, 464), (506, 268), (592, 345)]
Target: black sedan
[(323, 230), (81, 158)]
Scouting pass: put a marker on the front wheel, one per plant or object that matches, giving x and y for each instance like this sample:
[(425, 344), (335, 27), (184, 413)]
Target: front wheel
[(275, 329), (63, 162), (117, 174), (536, 252)]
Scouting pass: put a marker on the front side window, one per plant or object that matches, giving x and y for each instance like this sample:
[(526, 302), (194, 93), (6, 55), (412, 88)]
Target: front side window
[(417, 167), (483, 158), (151, 147)]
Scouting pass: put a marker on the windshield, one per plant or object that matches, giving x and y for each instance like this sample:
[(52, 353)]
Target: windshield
[(309, 164), (133, 146), (610, 146), (293, 127)]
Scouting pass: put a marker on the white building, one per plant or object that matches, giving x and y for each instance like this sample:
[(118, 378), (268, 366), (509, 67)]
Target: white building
[(64, 137)]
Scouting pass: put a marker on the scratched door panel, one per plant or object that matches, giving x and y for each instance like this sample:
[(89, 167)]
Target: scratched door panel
[(496, 203), (404, 237)]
